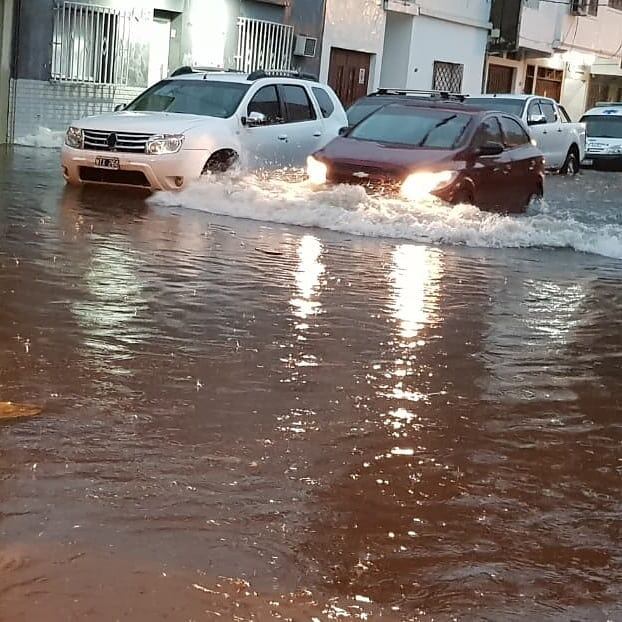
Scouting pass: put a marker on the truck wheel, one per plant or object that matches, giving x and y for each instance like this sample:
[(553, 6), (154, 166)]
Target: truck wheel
[(571, 165)]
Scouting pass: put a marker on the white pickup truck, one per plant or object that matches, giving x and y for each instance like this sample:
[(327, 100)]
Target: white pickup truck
[(561, 141)]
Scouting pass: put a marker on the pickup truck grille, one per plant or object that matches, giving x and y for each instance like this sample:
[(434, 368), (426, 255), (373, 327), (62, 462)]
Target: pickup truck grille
[(124, 142)]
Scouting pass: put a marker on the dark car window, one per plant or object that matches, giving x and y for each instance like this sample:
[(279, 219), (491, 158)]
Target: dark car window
[(548, 110), (202, 97), (266, 101), (297, 104), (413, 126), (361, 109), (497, 104), (600, 126), (323, 99), (534, 110), (488, 132), (513, 133)]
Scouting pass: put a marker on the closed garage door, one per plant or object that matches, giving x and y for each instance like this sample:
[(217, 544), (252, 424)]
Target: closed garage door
[(500, 79)]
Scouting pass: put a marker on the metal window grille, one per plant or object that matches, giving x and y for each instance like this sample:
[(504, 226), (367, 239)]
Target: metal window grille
[(264, 45), (91, 44), (447, 77)]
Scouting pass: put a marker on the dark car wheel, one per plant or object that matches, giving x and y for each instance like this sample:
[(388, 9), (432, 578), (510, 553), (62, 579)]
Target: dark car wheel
[(463, 196), (571, 165)]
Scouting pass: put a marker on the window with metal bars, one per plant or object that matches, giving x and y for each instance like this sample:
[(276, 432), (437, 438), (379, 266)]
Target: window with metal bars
[(91, 44), (263, 45), (447, 77)]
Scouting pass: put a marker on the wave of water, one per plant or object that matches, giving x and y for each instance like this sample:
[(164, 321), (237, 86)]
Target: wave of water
[(349, 209)]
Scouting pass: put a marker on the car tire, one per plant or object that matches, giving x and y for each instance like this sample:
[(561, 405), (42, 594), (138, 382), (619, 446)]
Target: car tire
[(221, 161), (463, 197), (571, 165)]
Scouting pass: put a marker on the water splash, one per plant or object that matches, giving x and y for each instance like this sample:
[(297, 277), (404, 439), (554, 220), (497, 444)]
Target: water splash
[(350, 209)]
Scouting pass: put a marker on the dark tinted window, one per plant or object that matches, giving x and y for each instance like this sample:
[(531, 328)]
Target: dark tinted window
[(297, 103), (534, 110), (363, 108), (548, 110), (603, 127), (326, 103), (497, 104), (202, 97), (488, 132), (418, 127), (513, 133), (266, 101)]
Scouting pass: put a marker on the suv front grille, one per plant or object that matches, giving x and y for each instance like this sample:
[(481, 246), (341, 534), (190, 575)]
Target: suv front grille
[(123, 142), (105, 176)]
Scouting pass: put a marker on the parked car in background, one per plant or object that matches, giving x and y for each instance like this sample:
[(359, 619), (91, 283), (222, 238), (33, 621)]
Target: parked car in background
[(604, 134), (199, 122), (437, 147), (562, 142)]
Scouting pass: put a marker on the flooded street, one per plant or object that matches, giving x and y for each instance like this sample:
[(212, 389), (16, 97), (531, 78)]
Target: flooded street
[(247, 420)]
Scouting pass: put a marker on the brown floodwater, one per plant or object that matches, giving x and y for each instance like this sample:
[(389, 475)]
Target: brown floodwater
[(253, 421)]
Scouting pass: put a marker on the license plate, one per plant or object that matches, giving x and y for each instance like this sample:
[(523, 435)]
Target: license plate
[(587, 162), (111, 163)]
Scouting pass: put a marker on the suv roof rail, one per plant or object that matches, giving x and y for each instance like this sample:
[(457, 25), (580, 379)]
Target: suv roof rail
[(187, 69), (281, 73), (445, 95)]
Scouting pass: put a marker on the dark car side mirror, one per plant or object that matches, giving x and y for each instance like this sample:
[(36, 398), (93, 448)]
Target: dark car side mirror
[(536, 119), (490, 149)]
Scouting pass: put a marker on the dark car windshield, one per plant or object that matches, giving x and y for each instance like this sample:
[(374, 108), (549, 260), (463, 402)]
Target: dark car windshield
[(413, 126), (358, 111), (497, 104), (603, 127), (202, 97)]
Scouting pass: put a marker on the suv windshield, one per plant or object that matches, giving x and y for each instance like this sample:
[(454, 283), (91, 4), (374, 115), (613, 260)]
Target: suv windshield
[(497, 104), (202, 97), (413, 126), (602, 126)]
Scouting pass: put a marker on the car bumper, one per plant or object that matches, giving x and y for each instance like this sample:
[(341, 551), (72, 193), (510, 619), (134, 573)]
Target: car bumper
[(591, 158), (164, 172)]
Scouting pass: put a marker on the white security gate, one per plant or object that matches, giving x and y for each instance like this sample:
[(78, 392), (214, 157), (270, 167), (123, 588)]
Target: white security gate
[(264, 45)]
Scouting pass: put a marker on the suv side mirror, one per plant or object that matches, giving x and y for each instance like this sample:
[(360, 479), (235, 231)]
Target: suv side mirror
[(344, 130), (255, 119), (536, 119), (120, 107), (490, 149)]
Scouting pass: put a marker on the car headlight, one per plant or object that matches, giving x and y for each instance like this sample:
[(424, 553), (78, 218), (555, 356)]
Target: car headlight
[(164, 143), (74, 138), (316, 170), (617, 149), (420, 185)]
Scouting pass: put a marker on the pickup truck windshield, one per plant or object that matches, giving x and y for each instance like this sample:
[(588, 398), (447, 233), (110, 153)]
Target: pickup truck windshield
[(413, 126), (497, 104), (603, 127), (201, 97)]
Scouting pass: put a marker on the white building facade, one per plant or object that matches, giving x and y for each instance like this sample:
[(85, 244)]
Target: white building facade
[(405, 44), (569, 51)]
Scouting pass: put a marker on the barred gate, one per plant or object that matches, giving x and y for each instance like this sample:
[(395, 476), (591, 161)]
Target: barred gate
[(264, 45), (91, 44)]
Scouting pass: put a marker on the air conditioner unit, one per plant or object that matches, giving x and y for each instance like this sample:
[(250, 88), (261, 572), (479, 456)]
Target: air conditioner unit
[(305, 46), (578, 7)]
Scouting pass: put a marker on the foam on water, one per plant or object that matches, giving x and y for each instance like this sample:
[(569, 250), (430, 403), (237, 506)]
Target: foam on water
[(350, 210), (43, 138)]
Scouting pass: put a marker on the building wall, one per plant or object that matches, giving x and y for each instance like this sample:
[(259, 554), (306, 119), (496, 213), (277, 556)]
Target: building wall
[(409, 57), (6, 34), (354, 25), (307, 18)]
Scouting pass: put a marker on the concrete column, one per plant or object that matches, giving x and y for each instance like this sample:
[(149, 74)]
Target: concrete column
[(6, 36)]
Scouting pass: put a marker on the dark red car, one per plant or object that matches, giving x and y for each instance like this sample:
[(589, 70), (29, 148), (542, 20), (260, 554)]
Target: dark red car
[(439, 147)]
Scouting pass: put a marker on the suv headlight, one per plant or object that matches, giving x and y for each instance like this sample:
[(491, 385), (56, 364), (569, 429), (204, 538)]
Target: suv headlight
[(74, 138), (164, 143), (617, 149)]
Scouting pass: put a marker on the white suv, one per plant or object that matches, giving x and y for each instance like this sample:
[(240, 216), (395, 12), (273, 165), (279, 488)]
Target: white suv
[(198, 122)]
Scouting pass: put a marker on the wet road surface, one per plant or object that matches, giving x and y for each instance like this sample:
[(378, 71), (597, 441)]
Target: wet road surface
[(247, 420)]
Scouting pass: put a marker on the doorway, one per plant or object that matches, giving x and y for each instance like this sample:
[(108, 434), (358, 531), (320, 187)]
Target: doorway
[(160, 44), (348, 74), (500, 79)]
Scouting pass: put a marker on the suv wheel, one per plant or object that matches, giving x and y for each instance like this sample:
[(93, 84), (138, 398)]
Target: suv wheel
[(220, 161), (571, 165)]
